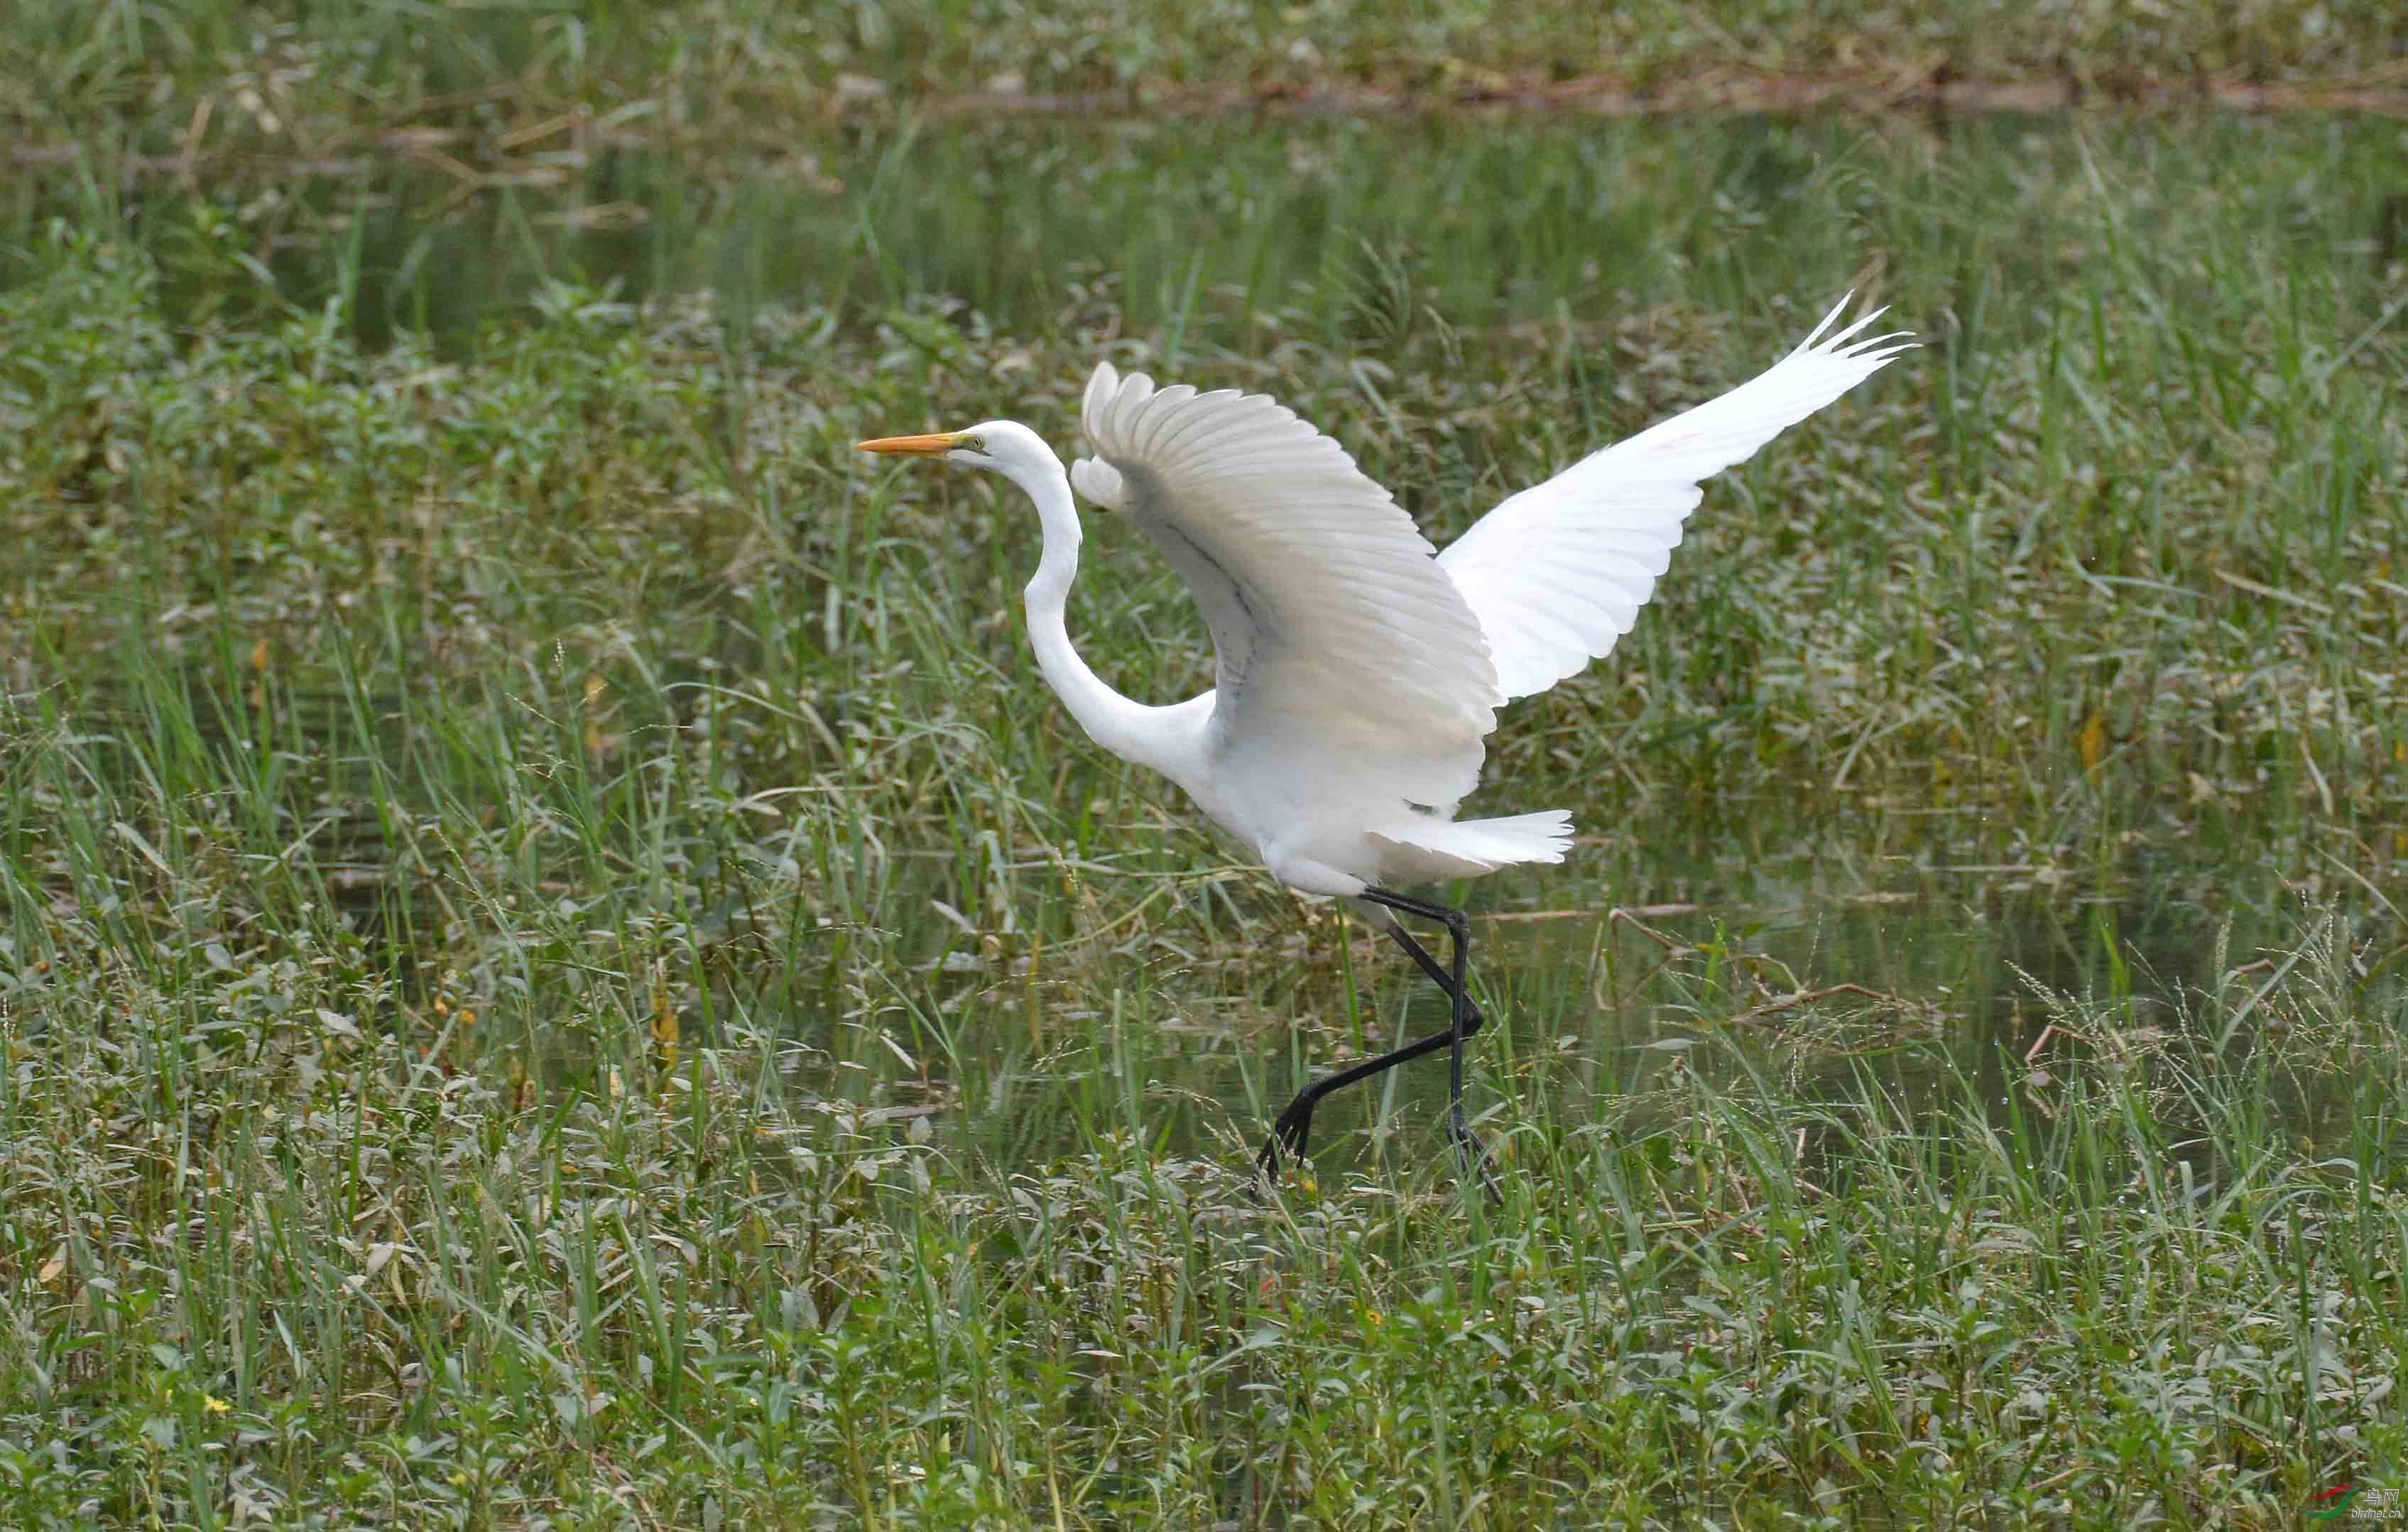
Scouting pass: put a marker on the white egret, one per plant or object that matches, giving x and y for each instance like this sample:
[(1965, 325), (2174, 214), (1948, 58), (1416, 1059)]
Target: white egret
[(1358, 670)]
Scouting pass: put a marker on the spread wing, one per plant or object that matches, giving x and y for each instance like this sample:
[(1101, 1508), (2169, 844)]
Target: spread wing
[(1334, 631), (1558, 573)]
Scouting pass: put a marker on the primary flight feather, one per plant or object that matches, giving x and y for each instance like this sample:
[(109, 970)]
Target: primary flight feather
[(1358, 671)]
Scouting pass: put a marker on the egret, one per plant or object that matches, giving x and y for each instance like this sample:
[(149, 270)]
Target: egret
[(1358, 671)]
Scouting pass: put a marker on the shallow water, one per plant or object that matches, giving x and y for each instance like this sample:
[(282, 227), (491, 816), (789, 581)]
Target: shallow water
[(1679, 949), (1223, 225)]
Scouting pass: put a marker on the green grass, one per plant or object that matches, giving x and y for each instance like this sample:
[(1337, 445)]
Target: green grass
[(558, 965)]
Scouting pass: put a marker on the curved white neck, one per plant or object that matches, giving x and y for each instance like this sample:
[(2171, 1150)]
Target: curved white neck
[(1111, 720)]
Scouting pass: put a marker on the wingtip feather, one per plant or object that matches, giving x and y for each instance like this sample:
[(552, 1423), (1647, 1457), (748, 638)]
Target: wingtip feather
[(1852, 344), (1102, 384), (1815, 338)]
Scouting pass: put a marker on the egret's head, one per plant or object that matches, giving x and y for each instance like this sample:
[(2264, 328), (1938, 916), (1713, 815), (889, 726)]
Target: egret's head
[(1008, 447)]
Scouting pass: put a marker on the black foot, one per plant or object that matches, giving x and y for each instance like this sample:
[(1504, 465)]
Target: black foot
[(1473, 1154), (1293, 1130), (1289, 1134)]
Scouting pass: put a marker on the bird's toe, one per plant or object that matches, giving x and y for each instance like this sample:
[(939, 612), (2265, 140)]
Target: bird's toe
[(1289, 1135)]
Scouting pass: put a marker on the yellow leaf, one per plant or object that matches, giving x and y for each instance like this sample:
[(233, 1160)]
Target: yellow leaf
[(2091, 743), (50, 1269), (665, 1022)]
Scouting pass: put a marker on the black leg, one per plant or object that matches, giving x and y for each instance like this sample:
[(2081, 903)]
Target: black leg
[(1293, 1129), (1467, 1020)]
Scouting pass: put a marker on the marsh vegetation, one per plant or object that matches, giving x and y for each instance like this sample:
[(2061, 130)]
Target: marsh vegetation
[(559, 965)]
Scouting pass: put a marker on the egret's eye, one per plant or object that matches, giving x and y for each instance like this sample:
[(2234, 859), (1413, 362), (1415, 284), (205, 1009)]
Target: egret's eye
[(971, 444)]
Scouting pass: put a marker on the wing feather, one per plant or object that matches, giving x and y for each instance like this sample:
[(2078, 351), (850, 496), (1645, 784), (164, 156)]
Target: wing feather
[(1334, 629), (1606, 526)]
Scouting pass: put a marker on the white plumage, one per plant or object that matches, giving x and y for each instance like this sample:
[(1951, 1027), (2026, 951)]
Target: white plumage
[(1558, 573), (1358, 670), (1330, 618)]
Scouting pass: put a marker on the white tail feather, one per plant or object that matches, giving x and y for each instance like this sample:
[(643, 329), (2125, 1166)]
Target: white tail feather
[(1466, 848)]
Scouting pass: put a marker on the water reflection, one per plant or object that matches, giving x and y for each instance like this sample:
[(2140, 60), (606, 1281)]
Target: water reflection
[(1208, 228), (1923, 973)]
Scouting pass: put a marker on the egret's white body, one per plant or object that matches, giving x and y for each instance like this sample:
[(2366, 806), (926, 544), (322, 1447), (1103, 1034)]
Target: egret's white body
[(1359, 670)]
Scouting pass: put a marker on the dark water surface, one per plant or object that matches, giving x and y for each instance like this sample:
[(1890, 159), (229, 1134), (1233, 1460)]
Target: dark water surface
[(1207, 224), (1679, 949)]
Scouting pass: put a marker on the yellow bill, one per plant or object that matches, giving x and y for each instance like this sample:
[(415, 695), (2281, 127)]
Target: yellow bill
[(936, 445)]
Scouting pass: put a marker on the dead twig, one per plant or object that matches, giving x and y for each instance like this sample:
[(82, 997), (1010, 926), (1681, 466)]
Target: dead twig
[(1617, 915), (1755, 1017)]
